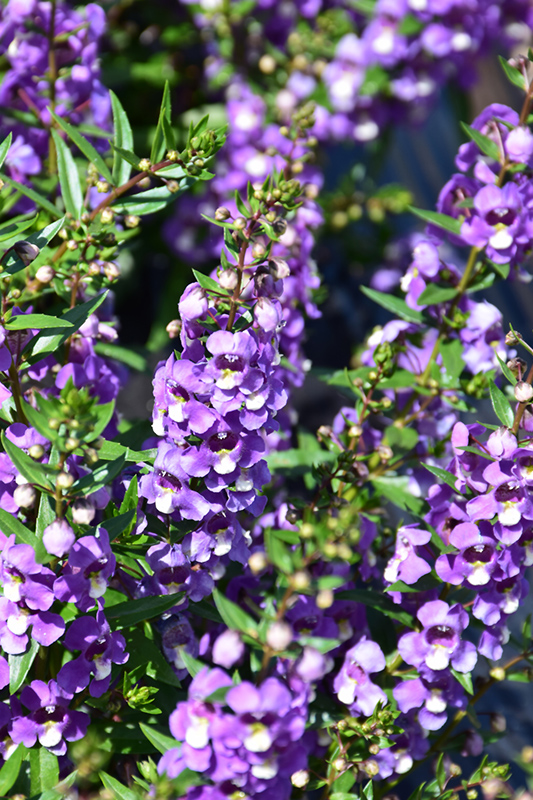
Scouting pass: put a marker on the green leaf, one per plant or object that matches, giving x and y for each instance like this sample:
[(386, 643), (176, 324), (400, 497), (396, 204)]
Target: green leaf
[(35, 473), (123, 354), (85, 146), (500, 404), (13, 229), (165, 112), (278, 552), (513, 74), (206, 282), (396, 489), (147, 202), (44, 770), (234, 617), (192, 665), (101, 476), (116, 526), (440, 772), (449, 224), (452, 361), (434, 294), (160, 741), (400, 379), (465, 679), (45, 517), (112, 450), (20, 665), (23, 322), (10, 770), (379, 602), (486, 145), (133, 611), (443, 475), (401, 438), (11, 525), (123, 139), (128, 155), (4, 147), (513, 380), (393, 304), (33, 195), (118, 790), (69, 179), (424, 584), (40, 239), (46, 342)]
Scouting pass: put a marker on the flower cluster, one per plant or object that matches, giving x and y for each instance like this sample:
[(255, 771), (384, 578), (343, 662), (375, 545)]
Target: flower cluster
[(51, 50)]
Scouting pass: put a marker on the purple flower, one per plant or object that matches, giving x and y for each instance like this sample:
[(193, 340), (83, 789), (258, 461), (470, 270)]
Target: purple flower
[(50, 721), (90, 566), (352, 684), (439, 644)]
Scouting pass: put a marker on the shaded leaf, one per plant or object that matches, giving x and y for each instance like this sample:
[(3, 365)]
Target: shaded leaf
[(500, 404), (20, 665), (441, 220), (69, 179), (84, 145), (123, 139), (393, 304), (143, 608)]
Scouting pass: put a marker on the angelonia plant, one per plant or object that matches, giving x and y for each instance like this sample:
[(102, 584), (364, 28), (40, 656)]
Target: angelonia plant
[(214, 604)]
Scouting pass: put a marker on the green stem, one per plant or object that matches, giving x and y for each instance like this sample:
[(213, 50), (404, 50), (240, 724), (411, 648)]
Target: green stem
[(17, 393)]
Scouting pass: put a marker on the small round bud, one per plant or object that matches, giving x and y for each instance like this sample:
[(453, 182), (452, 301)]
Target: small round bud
[(385, 452), (513, 337), (339, 219), (239, 223), (258, 561), (527, 754), (471, 794), (325, 598), (300, 580), (94, 268), (523, 392), (45, 274), (72, 245), (36, 451), (174, 328), (173, 155), (297, 168), (107, 216), (373, 749), (271, 215), (199, 162), (312, 141), (58, 538), (258, 250), (54, 423), (280, 226), (145, 164), (145, 182), (222, 213), (284, 131), (91, 456), (517, 365), (111, 270), (498, 723), (64, 480), (173, 186), (300, 779), (109, 240), (15, 294), (311, 191), (83, 512), (131, 221), (340, 764), (279, 636), (72, 443), (228, 279), (102, 187), (497, 673), (355, 212), (307, 530), (267, 64), (24, 495), (26, 251)]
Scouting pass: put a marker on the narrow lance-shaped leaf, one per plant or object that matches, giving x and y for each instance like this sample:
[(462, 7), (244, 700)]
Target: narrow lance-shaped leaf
[(4, 147), (85, 146), (123, 138), (500, 404), (37, 198), (441, 220), (165, 112), (68, 178), (393, 304), (40, 239)]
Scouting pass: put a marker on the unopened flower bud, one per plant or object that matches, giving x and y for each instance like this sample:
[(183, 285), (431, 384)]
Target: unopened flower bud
[(145, 182), (83, 512), (91, 456), (258, 250), (111, 270), (173, 186), (300, 779), (373, 749), (258, 561), (222, 214), (72, 443), (385, 452), (228, 279), (498, 723), (54, 423), (527, 754), (45, 274), (284, 131), (131, 221), (36, 451), (267, 315), (279, 269), (280, 226), (102, 187), (300, 580), (58, 538), (340, 764), (523, 392), (107, 216), (267, 65), (311, 191), (325, 598), (174, 328), (513, 337), (173, 155), (279, 636), (297, 168), (239, 223), (517, 365), (72, 245), (24, 495), (94, 268), (26, 251), (64, 480), (193, 303), (498, 673), (145, 164)]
